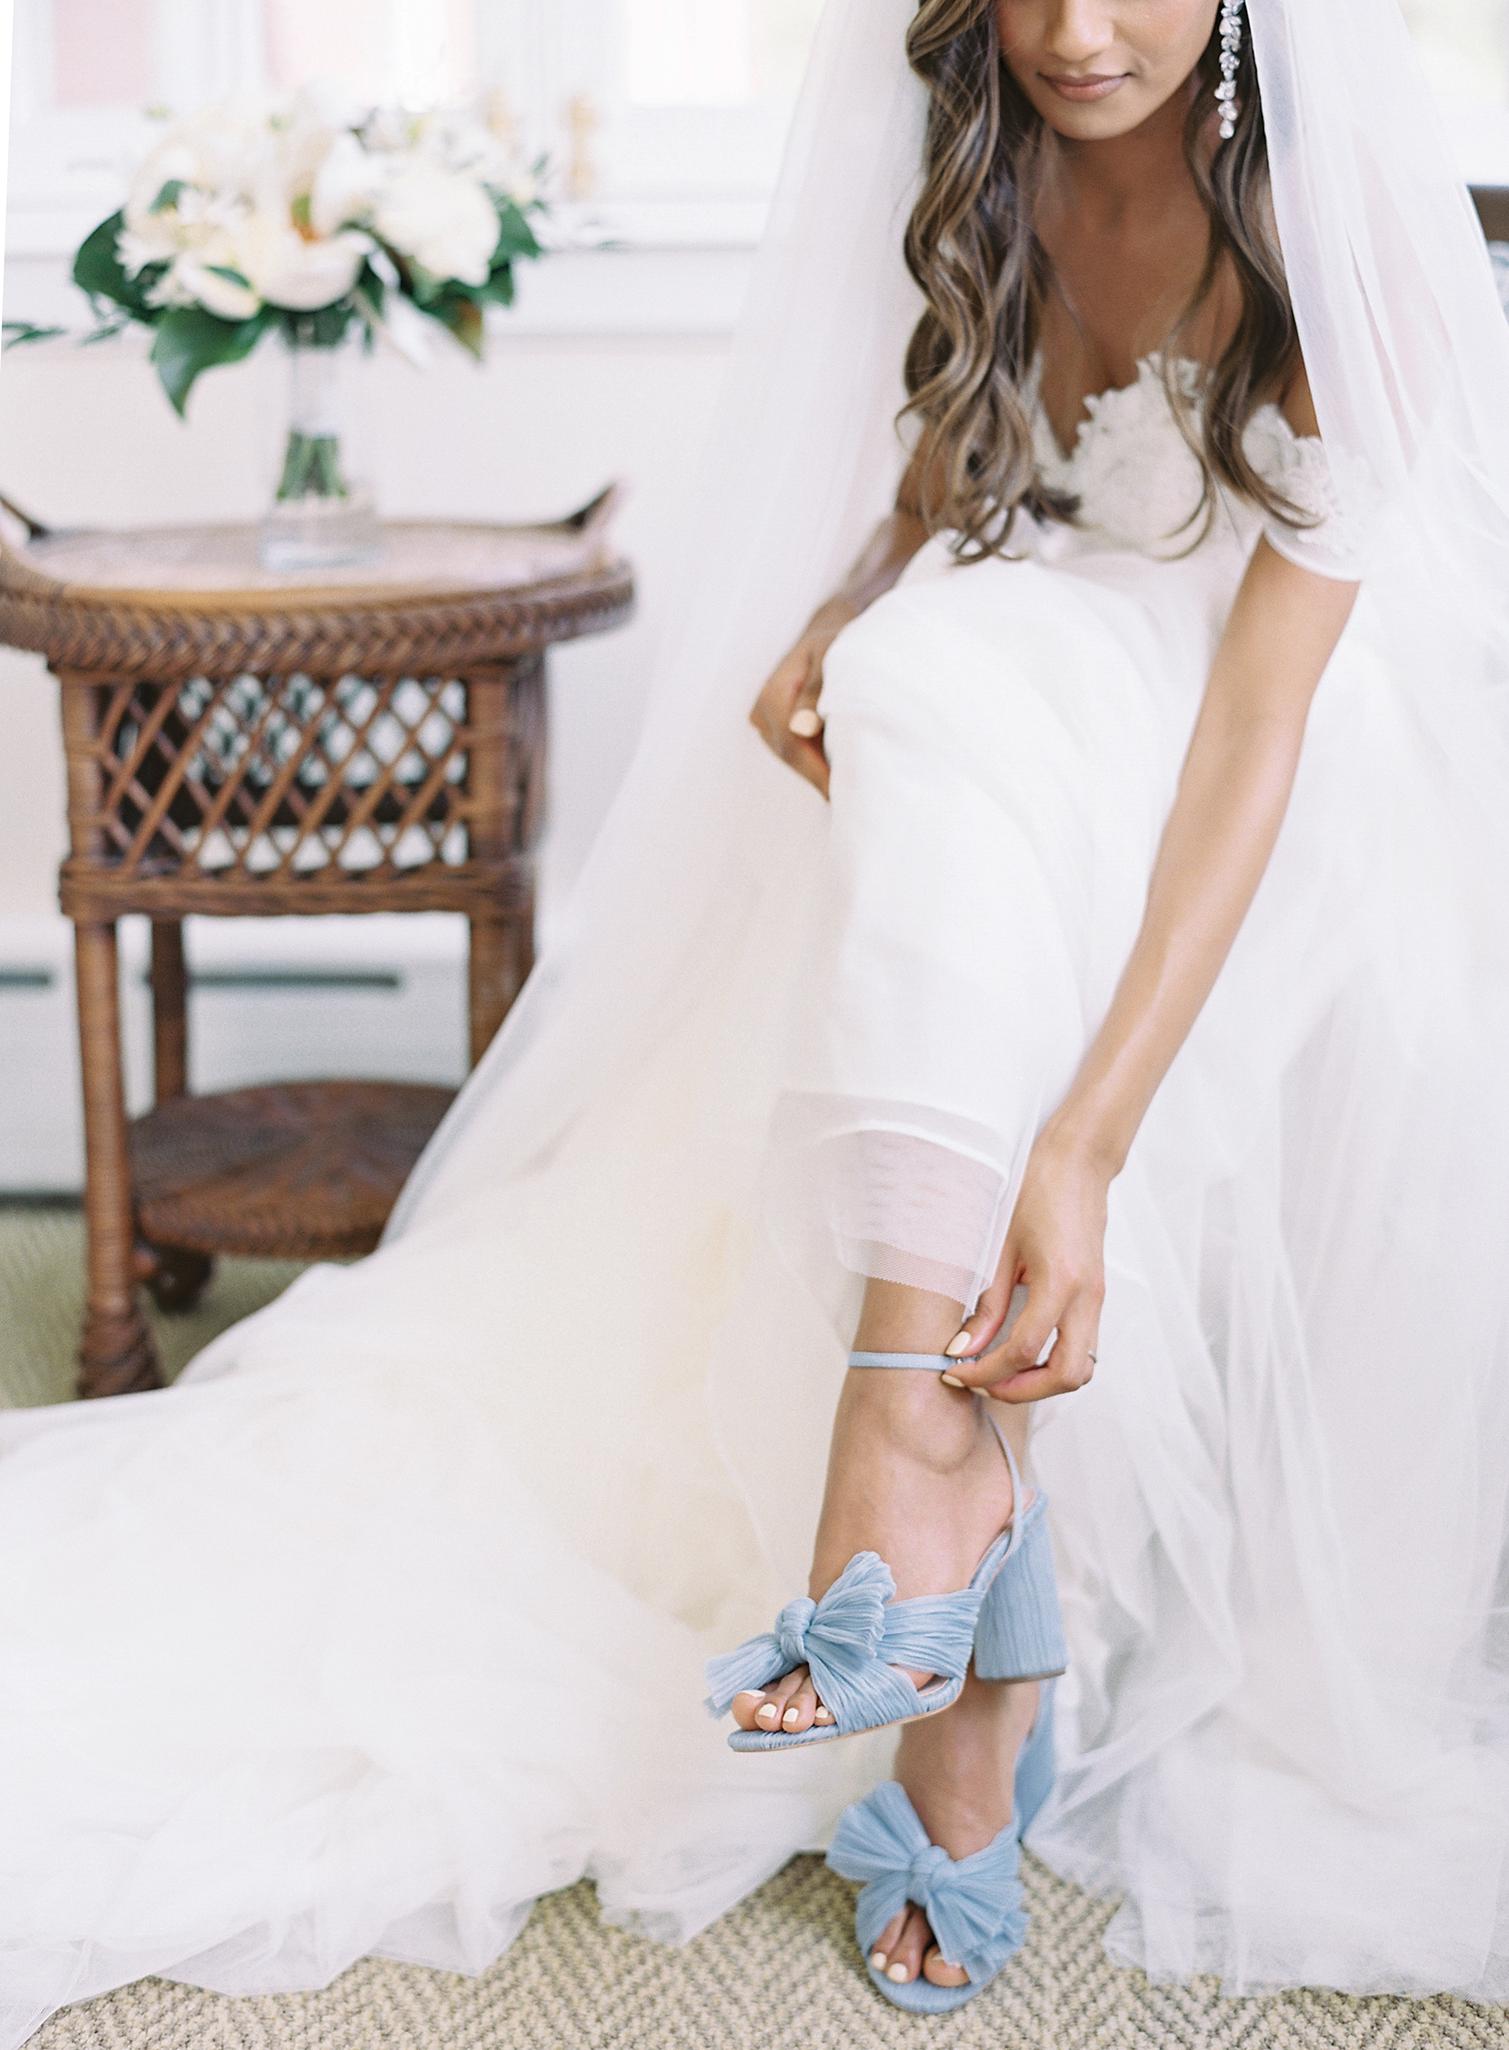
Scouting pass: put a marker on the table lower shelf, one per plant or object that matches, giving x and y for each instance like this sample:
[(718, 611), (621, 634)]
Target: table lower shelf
[(303, 1170)]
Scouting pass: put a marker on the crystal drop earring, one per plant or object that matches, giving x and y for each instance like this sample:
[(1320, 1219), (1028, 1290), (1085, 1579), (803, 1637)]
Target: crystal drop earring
[(1231, 54)]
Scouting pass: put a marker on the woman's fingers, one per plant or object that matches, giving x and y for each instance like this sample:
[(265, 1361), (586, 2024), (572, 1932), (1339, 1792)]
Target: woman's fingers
[(786, 717), (1038, 1303), (1051, 1271), (1070, 1364), (804, 726), (803, 718), (981, 1348), (978, 1331)]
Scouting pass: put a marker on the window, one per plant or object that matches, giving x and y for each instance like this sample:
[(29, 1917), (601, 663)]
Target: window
[(697, 96), (666, 116)]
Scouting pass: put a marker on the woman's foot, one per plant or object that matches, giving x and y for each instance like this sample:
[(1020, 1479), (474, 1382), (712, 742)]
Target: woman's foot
[(958, 1771), (915, 1473)]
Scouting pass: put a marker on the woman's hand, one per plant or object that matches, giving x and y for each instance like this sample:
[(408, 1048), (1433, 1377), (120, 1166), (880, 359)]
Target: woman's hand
[(1055, 1256), (785, 714)]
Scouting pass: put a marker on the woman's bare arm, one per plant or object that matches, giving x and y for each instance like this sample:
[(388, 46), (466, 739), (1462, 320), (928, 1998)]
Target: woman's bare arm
[(790, 694), (1232, 794), (884, 556)]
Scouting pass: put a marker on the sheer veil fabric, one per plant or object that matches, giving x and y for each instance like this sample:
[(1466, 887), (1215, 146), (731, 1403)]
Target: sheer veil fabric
[(401, 1595)]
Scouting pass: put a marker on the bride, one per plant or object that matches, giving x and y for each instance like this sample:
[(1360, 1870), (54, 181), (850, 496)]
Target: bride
[(1138, 994)]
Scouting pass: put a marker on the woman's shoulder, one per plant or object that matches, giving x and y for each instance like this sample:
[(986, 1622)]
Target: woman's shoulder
[(1284, 444)]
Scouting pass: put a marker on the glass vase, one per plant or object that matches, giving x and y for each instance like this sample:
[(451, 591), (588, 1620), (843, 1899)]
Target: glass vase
[(321, 517)]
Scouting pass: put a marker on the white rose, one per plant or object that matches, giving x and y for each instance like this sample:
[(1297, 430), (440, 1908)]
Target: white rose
[(214, 162), (194, 281), (155, 235), (442, 219), (157, 242), (304, 276)]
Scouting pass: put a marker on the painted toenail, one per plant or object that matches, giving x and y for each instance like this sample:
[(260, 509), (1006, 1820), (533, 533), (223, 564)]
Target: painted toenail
[(767, 1714), (791, 1718), (824, 1715), (877, 1959), (897, 1973)]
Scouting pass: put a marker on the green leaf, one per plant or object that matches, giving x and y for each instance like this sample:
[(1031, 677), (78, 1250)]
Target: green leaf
[(15, 331), (499, 289), (515, 236), (428, 292), (189, 341), (463, 316), (373, 288), (97, 269), (168, 195)]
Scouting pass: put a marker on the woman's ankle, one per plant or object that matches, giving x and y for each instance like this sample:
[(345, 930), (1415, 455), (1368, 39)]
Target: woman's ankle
[(916, 1416)]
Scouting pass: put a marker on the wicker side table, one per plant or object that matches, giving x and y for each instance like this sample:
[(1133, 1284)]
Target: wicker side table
[(243, 745)]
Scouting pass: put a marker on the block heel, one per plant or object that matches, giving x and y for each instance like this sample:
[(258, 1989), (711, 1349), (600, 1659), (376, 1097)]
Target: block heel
[(1020, 1633), (1035, 1765)]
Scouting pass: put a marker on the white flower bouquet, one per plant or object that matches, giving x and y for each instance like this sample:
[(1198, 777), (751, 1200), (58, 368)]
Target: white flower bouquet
[(315, 220)]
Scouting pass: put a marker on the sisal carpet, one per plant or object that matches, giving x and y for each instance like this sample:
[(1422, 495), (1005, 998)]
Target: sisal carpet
[(779, 1973)]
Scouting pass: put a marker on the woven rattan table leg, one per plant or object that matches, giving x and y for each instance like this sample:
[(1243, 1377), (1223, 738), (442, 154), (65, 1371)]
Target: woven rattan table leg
[(170, 1038), (176, 1276), (505, 712), (116, 1353), (490, 985)]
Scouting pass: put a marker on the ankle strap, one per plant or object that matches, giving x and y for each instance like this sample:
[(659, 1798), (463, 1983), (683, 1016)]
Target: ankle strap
[(925, 1362)]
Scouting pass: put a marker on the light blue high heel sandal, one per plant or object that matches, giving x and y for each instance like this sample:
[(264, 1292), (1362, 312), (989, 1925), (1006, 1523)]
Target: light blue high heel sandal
[(973, 1905), (857, 1635)]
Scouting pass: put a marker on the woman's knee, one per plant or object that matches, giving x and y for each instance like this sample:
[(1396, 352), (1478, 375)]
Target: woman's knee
[(874, 657), (961, 666)]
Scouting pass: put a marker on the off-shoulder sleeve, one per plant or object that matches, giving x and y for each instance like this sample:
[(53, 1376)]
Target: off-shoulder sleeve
[(1300, 467)]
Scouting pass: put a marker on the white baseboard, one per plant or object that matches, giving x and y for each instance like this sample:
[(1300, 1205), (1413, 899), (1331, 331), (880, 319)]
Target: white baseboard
[(380, 996)]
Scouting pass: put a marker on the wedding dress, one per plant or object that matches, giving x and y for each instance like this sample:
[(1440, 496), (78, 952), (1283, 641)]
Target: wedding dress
[(389, 1617)]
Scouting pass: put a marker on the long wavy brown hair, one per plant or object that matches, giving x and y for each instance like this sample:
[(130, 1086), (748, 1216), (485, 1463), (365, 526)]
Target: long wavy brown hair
[(972, 245)]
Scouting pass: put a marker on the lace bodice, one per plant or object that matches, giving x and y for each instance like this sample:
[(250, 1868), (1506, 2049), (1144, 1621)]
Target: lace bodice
[(1137, 480)]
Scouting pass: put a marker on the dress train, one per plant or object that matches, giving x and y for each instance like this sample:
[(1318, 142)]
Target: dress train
[(390, 1616)]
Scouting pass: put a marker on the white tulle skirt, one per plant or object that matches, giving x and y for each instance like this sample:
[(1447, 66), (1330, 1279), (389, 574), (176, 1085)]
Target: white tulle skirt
[(389, 1617)]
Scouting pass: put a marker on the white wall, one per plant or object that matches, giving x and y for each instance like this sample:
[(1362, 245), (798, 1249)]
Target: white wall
[(610, 369)]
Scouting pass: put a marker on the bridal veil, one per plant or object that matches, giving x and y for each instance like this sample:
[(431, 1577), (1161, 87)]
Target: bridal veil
[(1355, 1256)]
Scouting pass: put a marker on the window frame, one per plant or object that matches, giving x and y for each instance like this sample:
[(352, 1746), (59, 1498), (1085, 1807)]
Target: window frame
[(711, 161), (677, 178)]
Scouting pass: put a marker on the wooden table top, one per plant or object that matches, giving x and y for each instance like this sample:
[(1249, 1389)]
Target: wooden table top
[(174, 597), (220, 562)]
